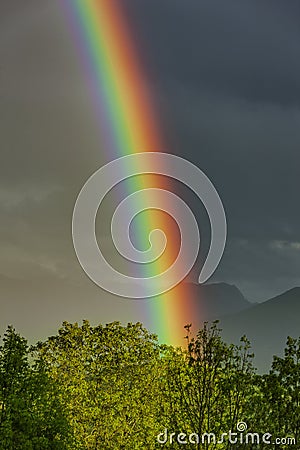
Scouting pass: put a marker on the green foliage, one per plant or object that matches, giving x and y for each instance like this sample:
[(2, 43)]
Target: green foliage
[(109, 381), (279, 404), (209, 385), (115, 387), (30, 414)]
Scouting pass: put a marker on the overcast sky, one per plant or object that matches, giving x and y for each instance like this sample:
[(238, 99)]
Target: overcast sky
[(226, 76)]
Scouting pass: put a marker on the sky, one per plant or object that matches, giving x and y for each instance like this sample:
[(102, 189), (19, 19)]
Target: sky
[(226, 79)]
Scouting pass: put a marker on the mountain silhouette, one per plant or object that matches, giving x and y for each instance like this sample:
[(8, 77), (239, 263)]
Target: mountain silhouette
[(217, 300), (266, 325)]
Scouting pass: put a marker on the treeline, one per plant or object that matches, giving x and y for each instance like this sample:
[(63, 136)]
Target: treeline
[(114, 387)]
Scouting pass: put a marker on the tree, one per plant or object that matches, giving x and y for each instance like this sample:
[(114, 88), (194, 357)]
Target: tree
[(281, 393), (209, 385), (30, 413), (110, 383), (115, 386)]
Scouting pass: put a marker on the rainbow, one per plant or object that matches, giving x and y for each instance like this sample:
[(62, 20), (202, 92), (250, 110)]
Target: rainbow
[(125, 111)]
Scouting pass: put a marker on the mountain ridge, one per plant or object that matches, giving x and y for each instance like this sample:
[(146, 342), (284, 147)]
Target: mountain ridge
[(267, 325)]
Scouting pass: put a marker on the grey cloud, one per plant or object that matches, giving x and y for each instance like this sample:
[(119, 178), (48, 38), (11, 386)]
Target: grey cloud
[(226, 75), (247, 48)]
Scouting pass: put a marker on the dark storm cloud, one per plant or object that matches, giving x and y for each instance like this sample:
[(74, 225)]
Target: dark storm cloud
[(228, 74), (248, 49), (250, 151)]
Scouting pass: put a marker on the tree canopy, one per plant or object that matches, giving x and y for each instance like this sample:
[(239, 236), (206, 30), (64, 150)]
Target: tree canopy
[(116, 387)]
